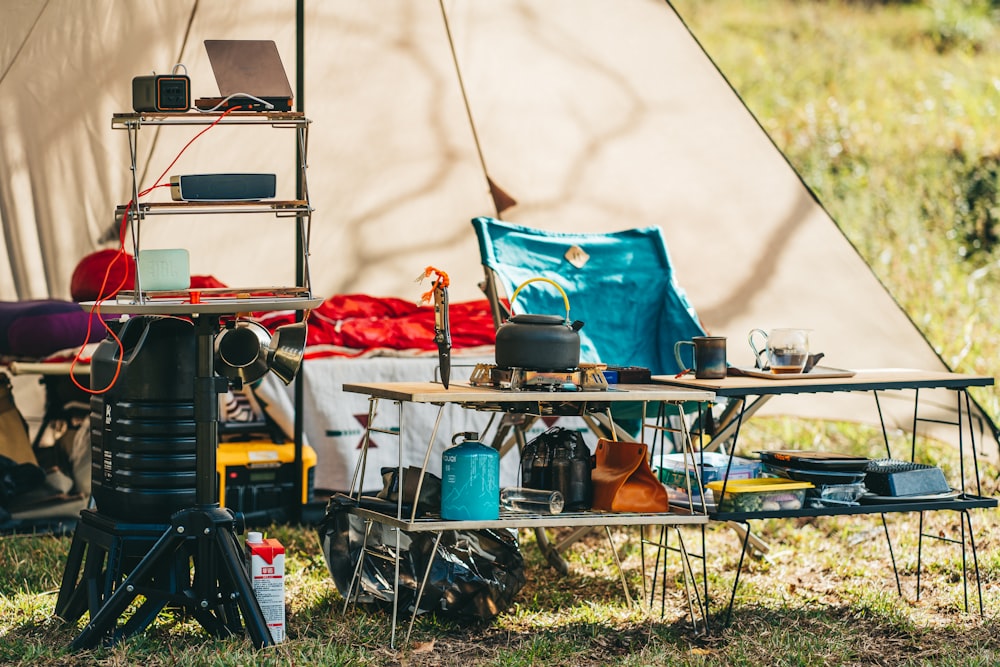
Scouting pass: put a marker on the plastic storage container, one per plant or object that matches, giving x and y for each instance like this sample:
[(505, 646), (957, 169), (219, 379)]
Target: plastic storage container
[(676, 467), (832, 495), (767, 494)]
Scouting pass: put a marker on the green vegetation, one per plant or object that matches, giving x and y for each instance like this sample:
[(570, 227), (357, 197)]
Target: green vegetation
[(889, 111)]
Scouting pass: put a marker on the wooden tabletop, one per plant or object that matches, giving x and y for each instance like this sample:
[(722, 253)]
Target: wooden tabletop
[(434, 392), (863, 380)]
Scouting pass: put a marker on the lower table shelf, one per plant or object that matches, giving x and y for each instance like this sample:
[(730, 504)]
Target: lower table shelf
[(521, 520), (962, 502)]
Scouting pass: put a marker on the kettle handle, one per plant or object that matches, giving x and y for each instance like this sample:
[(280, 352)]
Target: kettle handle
[(546, 280)]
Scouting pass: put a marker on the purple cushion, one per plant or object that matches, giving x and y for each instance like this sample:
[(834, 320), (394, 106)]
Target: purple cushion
[(41, 327)]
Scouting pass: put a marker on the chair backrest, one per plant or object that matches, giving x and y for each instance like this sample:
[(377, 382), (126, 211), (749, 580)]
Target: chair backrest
[(620, 284)]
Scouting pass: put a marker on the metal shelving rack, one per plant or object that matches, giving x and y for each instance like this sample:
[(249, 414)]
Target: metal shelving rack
[(299, 208)]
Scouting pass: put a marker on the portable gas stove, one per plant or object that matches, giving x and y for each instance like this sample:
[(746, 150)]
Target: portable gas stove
[(589, 377)]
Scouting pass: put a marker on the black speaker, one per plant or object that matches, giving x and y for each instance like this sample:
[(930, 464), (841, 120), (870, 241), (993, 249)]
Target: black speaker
[(222, 187)]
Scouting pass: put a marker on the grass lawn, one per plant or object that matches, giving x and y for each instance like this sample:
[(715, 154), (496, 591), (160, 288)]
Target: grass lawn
[(823, 594)]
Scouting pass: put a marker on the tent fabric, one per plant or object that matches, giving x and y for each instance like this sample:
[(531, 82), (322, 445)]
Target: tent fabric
[(593, 115)]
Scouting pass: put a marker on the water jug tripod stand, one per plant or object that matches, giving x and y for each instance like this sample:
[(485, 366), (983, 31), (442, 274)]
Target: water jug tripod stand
[(196, 563)]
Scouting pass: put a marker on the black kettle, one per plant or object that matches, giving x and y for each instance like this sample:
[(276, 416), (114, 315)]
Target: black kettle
[(539, 342)]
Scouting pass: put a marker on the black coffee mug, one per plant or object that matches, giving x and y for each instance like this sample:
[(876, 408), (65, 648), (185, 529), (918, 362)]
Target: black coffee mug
[(709, 356)]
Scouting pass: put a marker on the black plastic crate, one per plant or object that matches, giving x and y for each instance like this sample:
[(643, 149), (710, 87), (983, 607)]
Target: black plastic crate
[(890, 477)]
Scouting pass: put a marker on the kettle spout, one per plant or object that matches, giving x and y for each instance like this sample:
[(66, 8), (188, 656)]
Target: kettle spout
[(576, 325)]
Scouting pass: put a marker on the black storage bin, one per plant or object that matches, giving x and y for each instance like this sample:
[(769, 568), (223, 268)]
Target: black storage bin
[(142, 429)]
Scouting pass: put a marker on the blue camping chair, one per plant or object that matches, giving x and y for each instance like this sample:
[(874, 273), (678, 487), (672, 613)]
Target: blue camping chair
[(620, 284)]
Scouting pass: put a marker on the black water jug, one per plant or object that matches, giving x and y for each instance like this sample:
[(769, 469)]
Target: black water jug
[(559, 460)]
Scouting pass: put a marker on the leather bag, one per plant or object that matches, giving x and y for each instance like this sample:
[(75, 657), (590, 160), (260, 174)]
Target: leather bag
[(623, 480)]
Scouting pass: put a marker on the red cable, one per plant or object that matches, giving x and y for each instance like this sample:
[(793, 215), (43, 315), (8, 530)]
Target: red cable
[(123, 230)]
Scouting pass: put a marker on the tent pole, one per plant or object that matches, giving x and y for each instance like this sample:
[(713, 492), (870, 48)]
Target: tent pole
[(299, 398)]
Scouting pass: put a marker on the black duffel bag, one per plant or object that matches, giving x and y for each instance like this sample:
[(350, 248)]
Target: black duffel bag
[(475, 574)]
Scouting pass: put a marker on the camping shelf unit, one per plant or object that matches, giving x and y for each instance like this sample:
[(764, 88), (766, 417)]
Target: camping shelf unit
[(584, 403), (220, 591), (226, 300)]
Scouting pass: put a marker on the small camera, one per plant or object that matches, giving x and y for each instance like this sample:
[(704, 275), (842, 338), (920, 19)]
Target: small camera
[(161, 92)]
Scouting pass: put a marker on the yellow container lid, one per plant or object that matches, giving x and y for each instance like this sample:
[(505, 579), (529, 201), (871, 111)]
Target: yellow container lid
[(759, 485)]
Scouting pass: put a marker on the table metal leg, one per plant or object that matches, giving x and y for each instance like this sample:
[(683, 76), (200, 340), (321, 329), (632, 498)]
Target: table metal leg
[(892, 555), (975, 561), (692, 589), (618, 564), (423, 585), (692, 593), (965, 521), (358, 478), (739, 568), (354, 588)]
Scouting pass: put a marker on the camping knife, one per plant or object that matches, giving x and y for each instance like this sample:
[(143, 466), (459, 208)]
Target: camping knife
[(442, 332)]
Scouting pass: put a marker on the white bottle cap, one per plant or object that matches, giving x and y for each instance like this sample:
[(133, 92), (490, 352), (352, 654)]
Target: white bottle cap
[(253, 537)]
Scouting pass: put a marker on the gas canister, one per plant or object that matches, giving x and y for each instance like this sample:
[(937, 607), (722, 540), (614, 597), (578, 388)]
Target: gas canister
[(470, 480)]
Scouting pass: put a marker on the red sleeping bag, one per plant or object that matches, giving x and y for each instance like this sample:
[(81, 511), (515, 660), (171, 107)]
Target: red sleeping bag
[(362, 323)]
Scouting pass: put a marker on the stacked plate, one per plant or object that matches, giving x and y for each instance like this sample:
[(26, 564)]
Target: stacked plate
[(815, 467), (838, 478)]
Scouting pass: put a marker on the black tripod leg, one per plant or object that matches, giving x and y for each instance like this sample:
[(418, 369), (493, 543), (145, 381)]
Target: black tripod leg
[(102, 624), (140, 620), (70, 604), (206, 590)]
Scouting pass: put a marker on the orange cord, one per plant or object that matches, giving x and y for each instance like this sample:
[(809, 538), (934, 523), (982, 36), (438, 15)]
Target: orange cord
[(442, 280)]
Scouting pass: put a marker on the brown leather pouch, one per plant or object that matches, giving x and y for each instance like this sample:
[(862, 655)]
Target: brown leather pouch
[(623, 480)]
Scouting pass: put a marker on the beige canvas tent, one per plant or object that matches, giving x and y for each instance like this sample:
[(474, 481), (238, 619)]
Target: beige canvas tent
[(594, 115)]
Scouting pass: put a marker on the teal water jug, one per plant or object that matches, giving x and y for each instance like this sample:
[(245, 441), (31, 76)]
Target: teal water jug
[(470, 480)]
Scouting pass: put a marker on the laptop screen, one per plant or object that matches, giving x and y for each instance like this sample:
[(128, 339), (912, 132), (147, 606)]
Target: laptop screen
[(248, 66)]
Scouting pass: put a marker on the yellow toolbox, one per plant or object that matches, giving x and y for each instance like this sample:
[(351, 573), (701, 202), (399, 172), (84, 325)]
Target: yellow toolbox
[(258, 476)]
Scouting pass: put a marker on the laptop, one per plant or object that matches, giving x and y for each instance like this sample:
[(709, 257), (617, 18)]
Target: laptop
[(247, 67)]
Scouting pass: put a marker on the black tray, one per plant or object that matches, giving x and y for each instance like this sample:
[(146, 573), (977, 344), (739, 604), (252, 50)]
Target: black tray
[(818, 477), (873, 499), (807, 460), (891, 477)]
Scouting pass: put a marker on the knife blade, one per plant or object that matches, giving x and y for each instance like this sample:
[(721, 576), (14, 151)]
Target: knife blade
[(442, 332)]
